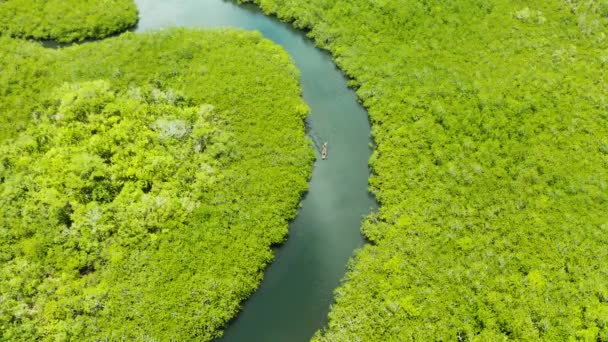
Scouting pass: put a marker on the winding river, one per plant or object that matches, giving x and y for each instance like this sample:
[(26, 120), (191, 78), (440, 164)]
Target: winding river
[(294, 297)]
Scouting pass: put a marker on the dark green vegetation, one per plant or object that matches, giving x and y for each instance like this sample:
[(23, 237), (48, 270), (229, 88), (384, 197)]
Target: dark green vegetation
[(491, 124), (150, 176), (66, 20)]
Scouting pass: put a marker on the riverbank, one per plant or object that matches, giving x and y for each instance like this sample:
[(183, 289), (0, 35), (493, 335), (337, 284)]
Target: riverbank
[(491, 164), (153, 174)]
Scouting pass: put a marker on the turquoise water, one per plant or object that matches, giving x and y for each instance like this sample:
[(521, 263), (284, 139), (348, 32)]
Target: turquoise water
[(294, 297)]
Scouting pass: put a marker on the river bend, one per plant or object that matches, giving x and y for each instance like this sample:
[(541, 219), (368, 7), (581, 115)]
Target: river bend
[(293, 300)]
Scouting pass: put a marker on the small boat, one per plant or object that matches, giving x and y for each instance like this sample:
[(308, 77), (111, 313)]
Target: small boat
[(324, 151)]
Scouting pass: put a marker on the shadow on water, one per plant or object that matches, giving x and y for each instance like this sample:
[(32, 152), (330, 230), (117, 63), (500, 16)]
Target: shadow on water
[(293, 299)]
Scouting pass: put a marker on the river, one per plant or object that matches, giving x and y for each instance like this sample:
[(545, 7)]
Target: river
[(294, 298)]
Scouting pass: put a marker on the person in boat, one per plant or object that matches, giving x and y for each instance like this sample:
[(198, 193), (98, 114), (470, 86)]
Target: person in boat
[(324, 151)]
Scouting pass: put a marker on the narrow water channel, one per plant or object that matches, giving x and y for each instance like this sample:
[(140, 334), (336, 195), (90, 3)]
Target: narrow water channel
[(294, 297)]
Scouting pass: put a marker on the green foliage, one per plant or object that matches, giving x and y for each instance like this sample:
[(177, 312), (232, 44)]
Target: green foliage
[(143, 207), (490, 119), (66, 20)]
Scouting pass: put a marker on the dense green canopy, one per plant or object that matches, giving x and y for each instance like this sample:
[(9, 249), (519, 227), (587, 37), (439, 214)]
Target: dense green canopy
[(66, 20), (149, 177), (491, 165)]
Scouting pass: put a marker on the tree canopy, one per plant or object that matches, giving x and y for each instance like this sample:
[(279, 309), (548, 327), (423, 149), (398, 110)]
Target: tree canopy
[(66, 20), (143, 182)]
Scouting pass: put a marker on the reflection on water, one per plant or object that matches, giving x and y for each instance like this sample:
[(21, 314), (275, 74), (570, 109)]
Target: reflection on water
[(293, 300)]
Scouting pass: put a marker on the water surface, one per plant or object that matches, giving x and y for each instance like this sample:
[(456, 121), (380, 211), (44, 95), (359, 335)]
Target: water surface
[(294, 297)]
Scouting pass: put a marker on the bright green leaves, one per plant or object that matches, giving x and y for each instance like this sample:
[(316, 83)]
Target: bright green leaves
[(133, 208), (66, 21), (79, 201)]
